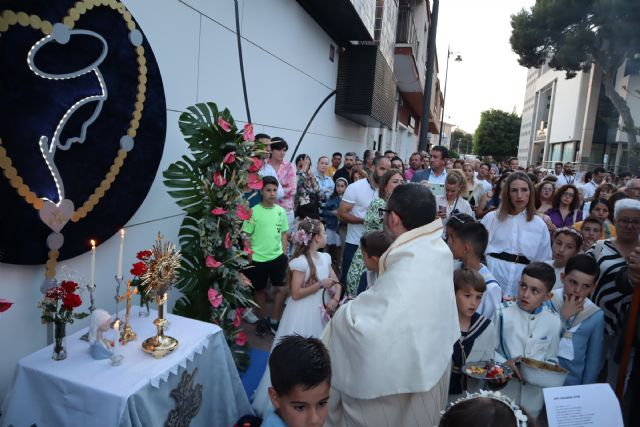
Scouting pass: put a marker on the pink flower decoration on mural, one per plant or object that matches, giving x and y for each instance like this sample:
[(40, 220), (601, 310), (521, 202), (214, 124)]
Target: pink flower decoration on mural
[(229, 157), (224, 124), (219, 211), (212, 263), (215, 298), (256, 164), (227, 241), (254, 181), (243, 212), (219, 180), (247, 135), (241, 338)]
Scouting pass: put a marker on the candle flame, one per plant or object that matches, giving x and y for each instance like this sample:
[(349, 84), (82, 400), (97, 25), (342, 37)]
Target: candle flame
[(116, 325), (93, 244), (122, 232)]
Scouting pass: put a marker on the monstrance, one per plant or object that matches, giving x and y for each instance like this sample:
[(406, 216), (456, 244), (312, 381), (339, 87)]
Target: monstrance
[(160, 276)]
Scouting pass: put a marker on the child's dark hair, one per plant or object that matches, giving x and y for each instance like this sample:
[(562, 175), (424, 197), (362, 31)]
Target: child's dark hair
[(592, 220), (375, 243), (335, 187), (543, 272), (467, 277), (481, 411), (269, 180), (571, 232), (457, 220), (584, 264), (475, 235), (299, 361)]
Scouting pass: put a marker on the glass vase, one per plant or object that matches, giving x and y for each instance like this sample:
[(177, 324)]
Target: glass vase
[(59, 341), (143, 311)]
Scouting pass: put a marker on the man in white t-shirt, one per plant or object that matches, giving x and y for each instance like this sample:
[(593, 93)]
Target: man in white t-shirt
[(590, 187), (567, 176), (353, 207)]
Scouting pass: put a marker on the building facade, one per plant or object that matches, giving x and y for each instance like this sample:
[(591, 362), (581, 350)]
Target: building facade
[(573, 120)]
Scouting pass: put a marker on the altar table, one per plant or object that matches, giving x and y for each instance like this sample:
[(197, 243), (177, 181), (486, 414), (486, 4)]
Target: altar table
[(197, 383)]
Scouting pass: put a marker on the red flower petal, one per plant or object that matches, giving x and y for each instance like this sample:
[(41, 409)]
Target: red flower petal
[(219, 211), (218, 179), (215, 297), (229, 157), (247, 135), (212, 263)]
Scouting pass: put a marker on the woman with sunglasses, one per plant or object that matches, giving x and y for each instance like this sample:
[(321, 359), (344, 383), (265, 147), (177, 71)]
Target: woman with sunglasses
[(565, 210), (373, 222)]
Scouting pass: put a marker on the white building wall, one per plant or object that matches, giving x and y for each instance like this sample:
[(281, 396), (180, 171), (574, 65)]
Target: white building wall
[(567, 111), (628, 87), (288, 72)]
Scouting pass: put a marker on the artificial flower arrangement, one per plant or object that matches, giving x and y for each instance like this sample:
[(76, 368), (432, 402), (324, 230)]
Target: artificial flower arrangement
[(212, 186)]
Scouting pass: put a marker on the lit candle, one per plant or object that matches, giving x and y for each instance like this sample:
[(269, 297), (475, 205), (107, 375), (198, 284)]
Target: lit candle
[(120, 255), (92, 280)]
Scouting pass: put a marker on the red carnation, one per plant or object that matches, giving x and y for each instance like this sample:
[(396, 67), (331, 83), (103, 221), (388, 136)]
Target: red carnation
[(139, 268), (69, 286), (256, 164), (218, 179), (71, 301), (143, 255)]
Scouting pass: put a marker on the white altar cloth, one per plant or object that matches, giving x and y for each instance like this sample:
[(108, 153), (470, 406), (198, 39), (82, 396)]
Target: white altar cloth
[(81, 391)]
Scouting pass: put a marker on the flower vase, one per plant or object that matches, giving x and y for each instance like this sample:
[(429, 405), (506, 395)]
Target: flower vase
[(144, 306), (59, 341)]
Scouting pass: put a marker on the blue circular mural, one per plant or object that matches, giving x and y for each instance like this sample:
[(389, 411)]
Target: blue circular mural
[(82, 125)]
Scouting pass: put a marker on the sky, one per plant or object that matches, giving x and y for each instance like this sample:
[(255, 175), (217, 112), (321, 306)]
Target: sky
[(489, 75)]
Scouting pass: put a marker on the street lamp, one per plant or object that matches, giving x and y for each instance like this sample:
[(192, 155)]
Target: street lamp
[(458, 58)]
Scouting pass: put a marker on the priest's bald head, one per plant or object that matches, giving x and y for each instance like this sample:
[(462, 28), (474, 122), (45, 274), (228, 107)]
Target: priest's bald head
[(410, 206)]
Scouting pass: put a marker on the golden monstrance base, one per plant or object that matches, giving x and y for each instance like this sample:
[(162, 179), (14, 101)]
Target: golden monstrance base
[(159, 346)]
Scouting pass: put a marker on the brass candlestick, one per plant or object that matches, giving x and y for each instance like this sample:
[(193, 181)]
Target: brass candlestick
[(160, 345), (127, 333)]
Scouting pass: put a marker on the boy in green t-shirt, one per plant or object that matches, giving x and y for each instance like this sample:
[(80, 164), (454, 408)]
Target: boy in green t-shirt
[(267, 230)]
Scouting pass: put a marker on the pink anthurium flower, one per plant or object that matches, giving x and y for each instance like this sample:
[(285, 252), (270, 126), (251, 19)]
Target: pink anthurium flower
[(219, 211), (218, 179), (256, 164), (211, 262), (238, 318), (215, 298), (254, 181), (227, 241), (241, 338), (229, 157), (247, 135), (243, 212), (224, 124)]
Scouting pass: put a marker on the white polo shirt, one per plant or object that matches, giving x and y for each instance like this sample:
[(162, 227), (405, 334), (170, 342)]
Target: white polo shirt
[(360, 194)]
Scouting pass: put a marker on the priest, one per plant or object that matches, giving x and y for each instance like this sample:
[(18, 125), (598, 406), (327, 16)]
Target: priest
[(391, 347)]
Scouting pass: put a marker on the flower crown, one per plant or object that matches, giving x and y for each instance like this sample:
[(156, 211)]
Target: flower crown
[(521, 418), (302, 237), (569, 230)]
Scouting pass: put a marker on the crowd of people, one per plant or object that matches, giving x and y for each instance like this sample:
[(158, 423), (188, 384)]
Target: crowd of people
[(388, 278)]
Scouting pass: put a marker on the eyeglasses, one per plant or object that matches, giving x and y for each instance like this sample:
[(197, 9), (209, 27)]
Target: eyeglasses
[(381, 211), (628, 222)]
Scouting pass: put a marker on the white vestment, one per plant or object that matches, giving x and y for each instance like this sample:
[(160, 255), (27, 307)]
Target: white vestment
[(397, 337)]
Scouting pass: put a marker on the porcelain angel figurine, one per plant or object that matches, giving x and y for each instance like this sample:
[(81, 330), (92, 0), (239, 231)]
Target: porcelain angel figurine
[(100, 346)]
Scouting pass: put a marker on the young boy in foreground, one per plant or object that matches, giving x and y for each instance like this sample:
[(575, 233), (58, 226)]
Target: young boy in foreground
[(582, 321), (301, 379), (527, 328)]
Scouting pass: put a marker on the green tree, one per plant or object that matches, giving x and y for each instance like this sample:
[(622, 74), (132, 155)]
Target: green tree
[(571, 35), (461, 141), (497, 134)]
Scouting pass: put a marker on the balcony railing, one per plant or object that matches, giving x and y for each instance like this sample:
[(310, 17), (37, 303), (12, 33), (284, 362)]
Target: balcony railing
[(406, 30)]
